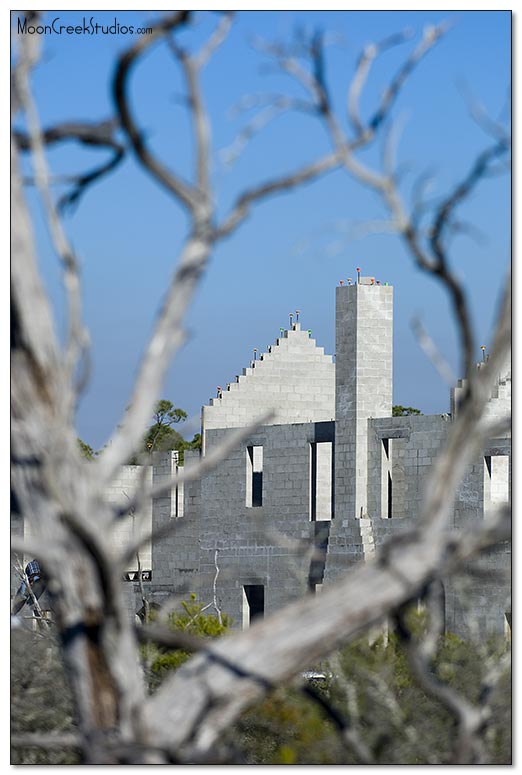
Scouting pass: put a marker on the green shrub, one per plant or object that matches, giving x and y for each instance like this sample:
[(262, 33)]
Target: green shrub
[(193, 619)]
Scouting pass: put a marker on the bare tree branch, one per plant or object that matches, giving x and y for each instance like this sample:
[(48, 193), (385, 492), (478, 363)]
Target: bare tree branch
[(214, 589), (77, 344), (428, 345), (276, 106), (168, 334), (173, 183), (98, 135), (366, 59), (351, 734), (46, 741), (469, 743), (173, 639), (281, 184), (430, 257), (432, 34), (215, 41)]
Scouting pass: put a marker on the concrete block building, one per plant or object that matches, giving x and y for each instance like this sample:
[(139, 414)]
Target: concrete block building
[(319, 487), (325, 482)]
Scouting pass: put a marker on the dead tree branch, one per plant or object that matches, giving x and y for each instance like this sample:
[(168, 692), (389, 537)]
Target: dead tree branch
[(92, 135), (429, 253), (77, 343), (172, 639), (469, 719), (197, 199)]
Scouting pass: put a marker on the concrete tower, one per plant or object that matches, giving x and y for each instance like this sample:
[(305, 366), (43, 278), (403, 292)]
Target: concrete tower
[(364, 331)]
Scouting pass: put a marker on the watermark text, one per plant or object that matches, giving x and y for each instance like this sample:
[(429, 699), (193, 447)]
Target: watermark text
[(86, 27)]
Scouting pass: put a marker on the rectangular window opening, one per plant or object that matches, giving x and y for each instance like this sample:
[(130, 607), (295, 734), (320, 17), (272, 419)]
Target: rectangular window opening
[(496, 481), (394, 500), (386, 479), (178, 498), (253, 603), (254, 476), (320, 489)]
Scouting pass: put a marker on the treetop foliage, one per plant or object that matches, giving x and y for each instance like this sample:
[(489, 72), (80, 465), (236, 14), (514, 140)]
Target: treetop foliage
[(403, 411), (160, 436)]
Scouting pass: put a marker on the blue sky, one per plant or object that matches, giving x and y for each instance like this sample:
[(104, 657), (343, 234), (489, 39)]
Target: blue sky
[(294, 249)]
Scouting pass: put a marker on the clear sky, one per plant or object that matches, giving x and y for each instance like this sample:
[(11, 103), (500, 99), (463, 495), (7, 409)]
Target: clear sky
[(294, 249)]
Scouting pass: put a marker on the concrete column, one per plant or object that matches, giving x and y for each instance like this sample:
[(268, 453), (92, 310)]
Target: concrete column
[(364, 332)]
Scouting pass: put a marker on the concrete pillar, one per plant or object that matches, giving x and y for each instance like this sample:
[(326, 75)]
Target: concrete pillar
[(163, 467), (363, 373)]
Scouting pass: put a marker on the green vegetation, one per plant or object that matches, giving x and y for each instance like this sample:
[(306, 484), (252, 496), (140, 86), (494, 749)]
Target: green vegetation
[(372, 687), (369, 684), (194, 619), (403, 411), (162, 437), (85, 450)]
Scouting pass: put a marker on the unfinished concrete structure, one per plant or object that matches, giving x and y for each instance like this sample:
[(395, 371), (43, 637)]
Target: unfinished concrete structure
[(332, 471)]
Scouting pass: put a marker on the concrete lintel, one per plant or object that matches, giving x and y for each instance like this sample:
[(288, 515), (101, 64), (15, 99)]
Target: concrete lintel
[(392, 433), (324, 431), (498, 447)]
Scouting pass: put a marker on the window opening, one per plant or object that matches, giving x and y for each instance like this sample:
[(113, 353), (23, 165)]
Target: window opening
[(253, 603), (321, 492), (254, 476)]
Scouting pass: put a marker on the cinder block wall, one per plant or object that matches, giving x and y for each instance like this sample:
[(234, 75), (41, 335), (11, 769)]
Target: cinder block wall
[(478, 603), (267, 545), (175, 555), (133, 526), (413, 444), (294, 379)]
